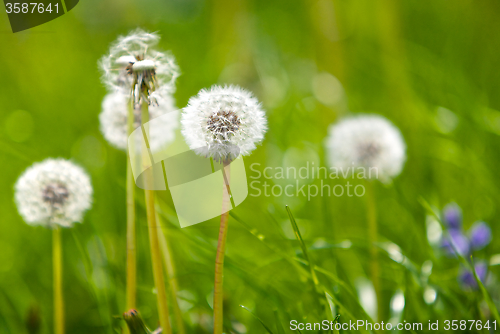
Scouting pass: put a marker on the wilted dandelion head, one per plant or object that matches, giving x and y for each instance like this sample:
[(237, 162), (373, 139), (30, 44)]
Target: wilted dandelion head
[(53, 192), (223, 122), (114, 119), (133, 64), (367, 141)]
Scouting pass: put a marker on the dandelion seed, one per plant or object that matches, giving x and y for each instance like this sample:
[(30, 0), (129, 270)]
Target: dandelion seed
[(114, 115), (367, 141), (223, 122), (135, 66), (53, 192)]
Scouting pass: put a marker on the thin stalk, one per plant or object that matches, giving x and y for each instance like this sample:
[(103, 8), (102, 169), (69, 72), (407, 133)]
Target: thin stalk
[(304, 249), (219, 259), (170, 271), (371, 212), (58, 289), (154, 244), (319, 291), (156, 262), (131, 288)]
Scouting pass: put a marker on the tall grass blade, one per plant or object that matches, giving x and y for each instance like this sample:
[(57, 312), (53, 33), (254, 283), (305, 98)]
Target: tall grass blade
[(256, 317)]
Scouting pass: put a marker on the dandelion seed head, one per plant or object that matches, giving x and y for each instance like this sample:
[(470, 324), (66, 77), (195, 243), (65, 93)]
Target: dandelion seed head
[(56, 194), (114, 116), (134, 65), (367, 141), (223, 122), (53, 192)]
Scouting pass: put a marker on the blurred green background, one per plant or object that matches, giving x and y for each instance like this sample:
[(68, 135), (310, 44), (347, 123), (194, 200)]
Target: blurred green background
[(431, 67)]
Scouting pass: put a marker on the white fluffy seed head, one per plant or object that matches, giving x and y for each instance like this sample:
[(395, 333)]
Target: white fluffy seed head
[(53, 192), (134, 65), (114, 115), (367, 141), (223, 122)]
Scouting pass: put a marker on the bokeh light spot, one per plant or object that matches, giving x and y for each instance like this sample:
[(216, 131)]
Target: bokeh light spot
[(327, 89)]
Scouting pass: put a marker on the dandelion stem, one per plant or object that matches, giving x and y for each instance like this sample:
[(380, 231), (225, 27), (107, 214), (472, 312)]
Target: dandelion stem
[(58, 290), (131, 251), (172, 280), (219, 259), (154, 244), (371, 212), (156, 262)]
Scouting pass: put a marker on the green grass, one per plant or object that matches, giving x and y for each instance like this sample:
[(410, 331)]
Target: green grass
[(428, 66)]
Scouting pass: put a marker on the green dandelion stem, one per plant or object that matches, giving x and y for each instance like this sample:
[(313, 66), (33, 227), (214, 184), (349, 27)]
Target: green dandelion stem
[(371, 213), (171, 275), (219, 259), (131, 239), (58, 289), (153, 227)]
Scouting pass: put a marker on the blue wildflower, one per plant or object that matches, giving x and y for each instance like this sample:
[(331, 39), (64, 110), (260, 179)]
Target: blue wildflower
[(467, 277), (480, 235), (456, 240), (452, 216)]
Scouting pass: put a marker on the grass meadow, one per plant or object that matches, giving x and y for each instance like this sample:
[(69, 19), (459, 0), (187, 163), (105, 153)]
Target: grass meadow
[(429, 67)]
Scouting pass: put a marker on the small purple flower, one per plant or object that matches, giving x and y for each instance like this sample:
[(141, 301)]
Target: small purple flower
[(480, 235), (467, 277), (456, 240), (452, 216)]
